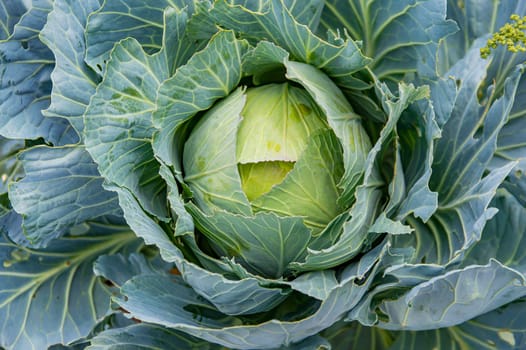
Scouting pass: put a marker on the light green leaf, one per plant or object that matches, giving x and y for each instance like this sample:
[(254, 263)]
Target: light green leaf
[(265, 243), (73, 81), (209, 158), (190, 91), (61, 188), (52, 296), (280, 131), (310, 189), (342, 119)]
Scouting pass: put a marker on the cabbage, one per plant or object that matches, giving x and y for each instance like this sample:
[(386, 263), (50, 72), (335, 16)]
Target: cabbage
[(271, 174)]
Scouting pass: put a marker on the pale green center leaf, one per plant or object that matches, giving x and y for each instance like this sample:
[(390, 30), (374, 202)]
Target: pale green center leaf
[(310, 190), (258, 178), (277, 122)]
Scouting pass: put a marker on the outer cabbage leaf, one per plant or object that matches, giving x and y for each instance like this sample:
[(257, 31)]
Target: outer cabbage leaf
[(510, 143), (118, 120), (464, 195), (516, 185), (25, 86), (10, 170), (52, 296), (229, 295), (146, 336), (73, 81), (273, 20), (10, 13), (169, 309), (504, 236), (138, 19), (344, 336), (119, 268), (457, 296), (499, 329), (9, 164), (61, 188), (400, 36), (355, 232), (477, 20), (464, 191)]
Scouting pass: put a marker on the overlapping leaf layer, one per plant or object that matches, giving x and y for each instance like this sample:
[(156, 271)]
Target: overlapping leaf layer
[(112, 235)]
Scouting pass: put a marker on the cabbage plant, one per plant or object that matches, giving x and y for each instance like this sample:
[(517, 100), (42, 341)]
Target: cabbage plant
[(274, 174)]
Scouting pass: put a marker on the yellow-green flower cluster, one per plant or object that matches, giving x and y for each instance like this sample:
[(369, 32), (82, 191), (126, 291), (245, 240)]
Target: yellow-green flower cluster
[(511, 35)]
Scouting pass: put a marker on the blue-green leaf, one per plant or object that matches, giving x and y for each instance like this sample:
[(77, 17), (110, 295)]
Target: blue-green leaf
[(457, 296), (118, 126), (52, 296), (119, 268), (25, 85), (146, 336), (10, 13), (352, 335), (504, 237), (117, 20), (61, 188), (175, 306), (73, 81), (511, 145), (478, 20), (467, 145), (246, 296), (502, 329), (274, 22), (417, 132), (10, 167), (400, 36), (475, 20)]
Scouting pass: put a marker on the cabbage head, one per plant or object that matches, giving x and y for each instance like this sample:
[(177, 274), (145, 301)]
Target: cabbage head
[(273, 174)]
